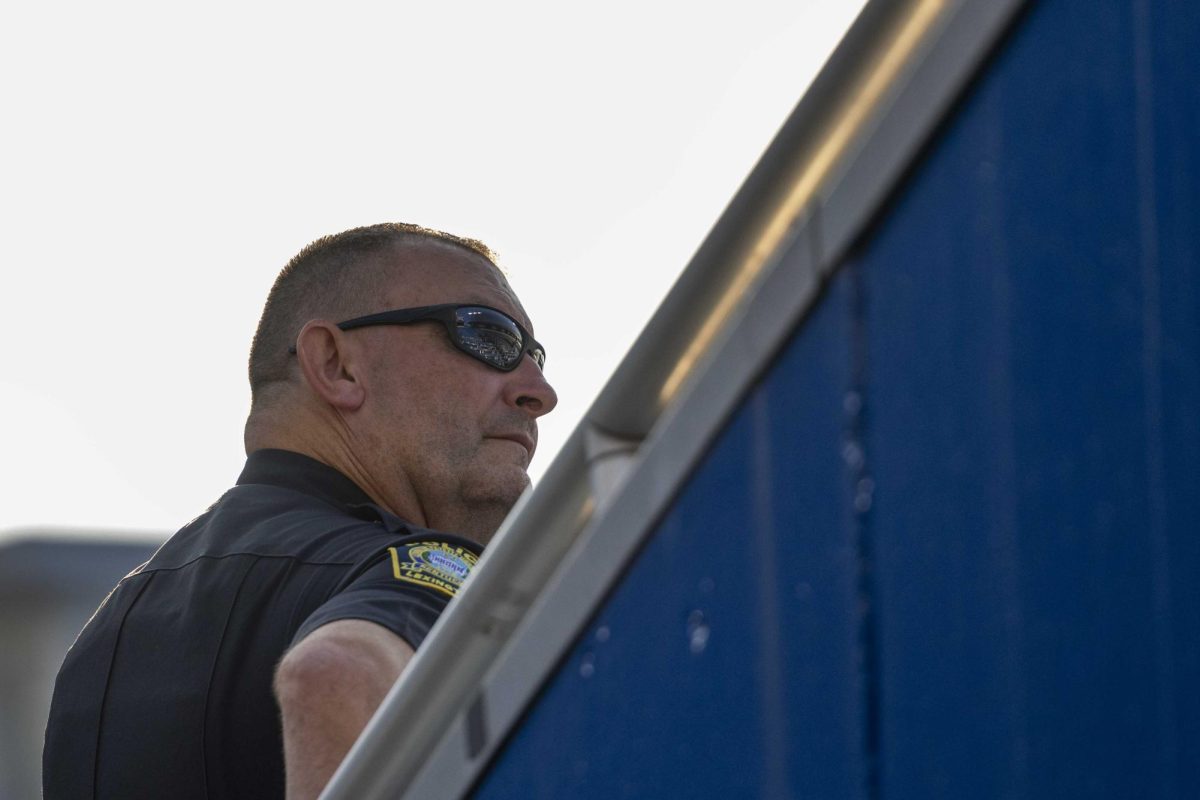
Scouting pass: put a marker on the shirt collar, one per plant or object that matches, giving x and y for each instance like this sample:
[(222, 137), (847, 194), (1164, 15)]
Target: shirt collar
[(290, 470)]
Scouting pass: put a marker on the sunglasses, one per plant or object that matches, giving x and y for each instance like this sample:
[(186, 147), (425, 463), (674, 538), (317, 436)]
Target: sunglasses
[(482, 332)]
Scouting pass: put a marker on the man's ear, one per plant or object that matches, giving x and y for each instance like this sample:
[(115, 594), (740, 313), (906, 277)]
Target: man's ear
[(321, 349)]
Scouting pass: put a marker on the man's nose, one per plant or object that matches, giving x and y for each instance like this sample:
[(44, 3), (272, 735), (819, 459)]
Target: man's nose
[(529, 390)]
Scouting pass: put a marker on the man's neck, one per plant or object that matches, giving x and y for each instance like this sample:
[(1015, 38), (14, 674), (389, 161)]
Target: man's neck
[(332, 447)]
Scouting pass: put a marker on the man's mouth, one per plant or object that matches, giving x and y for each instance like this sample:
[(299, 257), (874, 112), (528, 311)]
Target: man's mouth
[(523, 439)]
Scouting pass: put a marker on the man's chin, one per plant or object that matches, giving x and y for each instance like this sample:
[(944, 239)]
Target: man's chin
[(488, 507), (501, 487)]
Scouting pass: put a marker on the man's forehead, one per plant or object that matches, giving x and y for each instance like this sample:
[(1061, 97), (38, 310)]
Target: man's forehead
[(432, 272)]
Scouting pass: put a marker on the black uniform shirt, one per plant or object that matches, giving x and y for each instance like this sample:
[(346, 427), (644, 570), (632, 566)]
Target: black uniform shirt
[(167, 691)]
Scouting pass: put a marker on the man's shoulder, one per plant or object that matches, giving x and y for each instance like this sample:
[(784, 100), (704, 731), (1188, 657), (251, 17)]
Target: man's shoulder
[(278, 522)]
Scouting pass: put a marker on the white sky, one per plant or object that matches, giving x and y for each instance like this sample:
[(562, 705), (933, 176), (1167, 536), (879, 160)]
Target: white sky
[(159, 163)]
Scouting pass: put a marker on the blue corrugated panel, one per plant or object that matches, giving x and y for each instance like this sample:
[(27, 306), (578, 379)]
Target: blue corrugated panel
[(725, 663), (949, 547), (1031, 339)]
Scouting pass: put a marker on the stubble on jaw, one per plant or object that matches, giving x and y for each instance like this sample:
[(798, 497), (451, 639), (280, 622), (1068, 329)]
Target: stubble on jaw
[(460, 484), (486, 489)]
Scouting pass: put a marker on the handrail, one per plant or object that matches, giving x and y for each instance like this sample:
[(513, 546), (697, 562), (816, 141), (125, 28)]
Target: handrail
[(801, 164), (794, 181)]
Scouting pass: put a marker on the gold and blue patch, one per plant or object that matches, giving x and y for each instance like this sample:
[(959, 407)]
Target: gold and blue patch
[(438, 565)]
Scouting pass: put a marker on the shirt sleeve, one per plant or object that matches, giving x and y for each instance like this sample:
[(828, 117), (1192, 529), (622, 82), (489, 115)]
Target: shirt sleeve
[(404, 588)]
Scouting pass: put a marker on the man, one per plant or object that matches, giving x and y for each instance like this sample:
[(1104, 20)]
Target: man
[(396, 388)]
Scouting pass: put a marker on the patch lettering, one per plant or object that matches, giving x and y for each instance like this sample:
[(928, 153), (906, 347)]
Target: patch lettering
[(437, 565)]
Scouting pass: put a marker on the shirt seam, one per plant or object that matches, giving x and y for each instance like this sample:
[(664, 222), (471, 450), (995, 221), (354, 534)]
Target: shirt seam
[(202, 556), (212, 672), (108, 685)]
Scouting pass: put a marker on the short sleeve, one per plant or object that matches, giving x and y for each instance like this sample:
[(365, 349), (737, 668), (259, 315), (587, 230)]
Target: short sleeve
[(404, 588)]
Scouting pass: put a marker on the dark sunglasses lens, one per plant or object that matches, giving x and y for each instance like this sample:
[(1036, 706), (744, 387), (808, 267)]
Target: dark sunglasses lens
[(490, 337)]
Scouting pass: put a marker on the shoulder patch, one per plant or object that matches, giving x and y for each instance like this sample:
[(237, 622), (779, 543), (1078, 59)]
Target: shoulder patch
[(438, 565)]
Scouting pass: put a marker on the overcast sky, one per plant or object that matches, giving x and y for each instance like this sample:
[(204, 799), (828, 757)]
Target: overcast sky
[(161, 162)]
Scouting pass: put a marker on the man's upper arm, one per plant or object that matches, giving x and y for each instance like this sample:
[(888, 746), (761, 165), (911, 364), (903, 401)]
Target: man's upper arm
[(347, 654), (328, 686), (404, 588)]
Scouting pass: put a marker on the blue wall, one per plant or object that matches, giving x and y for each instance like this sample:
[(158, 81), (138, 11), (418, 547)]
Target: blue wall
[(949, 545)]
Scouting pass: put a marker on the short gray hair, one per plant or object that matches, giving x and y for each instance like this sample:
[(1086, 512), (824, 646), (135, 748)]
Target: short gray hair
[(336, 276)]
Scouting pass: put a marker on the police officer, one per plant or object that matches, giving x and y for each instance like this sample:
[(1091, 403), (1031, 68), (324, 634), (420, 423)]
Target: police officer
[(396, 389)]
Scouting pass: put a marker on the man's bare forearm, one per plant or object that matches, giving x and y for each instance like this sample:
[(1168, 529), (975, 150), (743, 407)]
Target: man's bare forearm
[(328, 687)]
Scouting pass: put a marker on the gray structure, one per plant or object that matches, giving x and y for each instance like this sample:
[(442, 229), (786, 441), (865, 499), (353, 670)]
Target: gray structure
[(50, 583)]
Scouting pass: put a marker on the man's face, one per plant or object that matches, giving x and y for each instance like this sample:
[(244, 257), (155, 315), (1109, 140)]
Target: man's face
[(455, 432)]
